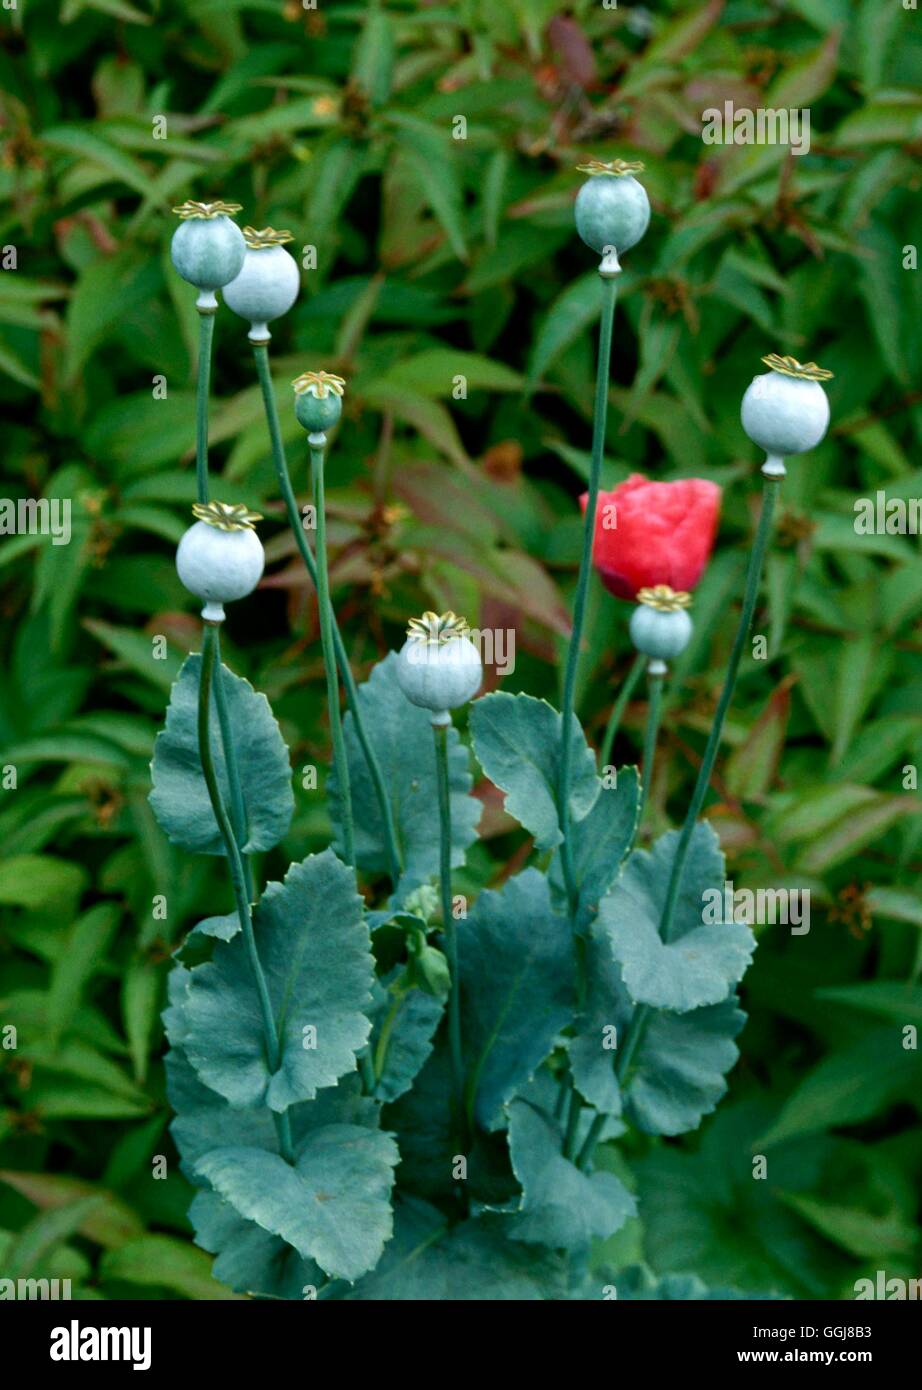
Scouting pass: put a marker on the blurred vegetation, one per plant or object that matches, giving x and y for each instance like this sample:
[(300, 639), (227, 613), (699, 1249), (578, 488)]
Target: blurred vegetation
[(439, 257)]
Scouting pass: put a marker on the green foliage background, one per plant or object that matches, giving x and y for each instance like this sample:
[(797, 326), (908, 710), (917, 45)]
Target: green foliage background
[(439, 256)]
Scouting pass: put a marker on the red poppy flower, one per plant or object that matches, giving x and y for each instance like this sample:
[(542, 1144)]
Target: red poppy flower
[(654, 533)]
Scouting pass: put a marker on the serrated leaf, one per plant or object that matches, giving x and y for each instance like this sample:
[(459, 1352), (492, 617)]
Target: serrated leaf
[(249, 1259), (314, 948), (705, 956), (638, 1282), (517, 979), (600, 842), (517, 742), (401, 736), (403, 1028), (332, 1205), (475, 1260), (180, 797), (678, 1069), (561, 1206)]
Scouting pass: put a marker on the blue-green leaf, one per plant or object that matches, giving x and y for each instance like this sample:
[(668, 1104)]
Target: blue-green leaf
[(517, 980), (401, 736), (403, 1028), (678, 1068), (705, 956), (180, 798), (517, 742), (599, 843), (561, 1206), (332, 1205), (314, 947), (475, 1260), (638, 1282), (249, 1259)]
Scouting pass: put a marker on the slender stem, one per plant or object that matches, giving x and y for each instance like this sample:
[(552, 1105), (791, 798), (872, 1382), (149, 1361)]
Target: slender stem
[(329, 658), (384, 1037), (202, 386), (642, 1015), (618, 708), (753, 576), (238, 877), (440, 733), (589, 1143), (261, 354), (237, 808), (649, 742), (574, 1112), (582, 586)]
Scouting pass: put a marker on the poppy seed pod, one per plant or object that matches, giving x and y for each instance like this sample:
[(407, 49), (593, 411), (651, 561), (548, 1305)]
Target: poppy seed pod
[(207, 247), (318, 400), (785, 411), (268, 282), (660, 627), (220, 558), (612, 210), (438, 667)]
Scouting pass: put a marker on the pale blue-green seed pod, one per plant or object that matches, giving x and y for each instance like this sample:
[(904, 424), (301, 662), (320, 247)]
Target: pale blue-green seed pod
[(318, 400), (786, 411), (439, 668), (220, 558), (207, 249), (612, 210), (659, 633), (268, 282), (318, 413)]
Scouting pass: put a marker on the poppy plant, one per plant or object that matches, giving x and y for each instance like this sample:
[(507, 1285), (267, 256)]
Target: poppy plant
[(341, 1015)]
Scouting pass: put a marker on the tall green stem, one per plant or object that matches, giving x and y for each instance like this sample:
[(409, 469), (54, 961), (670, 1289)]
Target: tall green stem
[(600, 416), (440, 733), (202, 387), (618, 708), (642, 1015), (237, 809), (593, 1136), (261, 355), (238, 875), (655, 681), (753, 576), (329, 658)]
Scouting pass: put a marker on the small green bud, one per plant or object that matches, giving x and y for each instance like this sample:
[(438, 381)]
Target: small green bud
[(430, 971)]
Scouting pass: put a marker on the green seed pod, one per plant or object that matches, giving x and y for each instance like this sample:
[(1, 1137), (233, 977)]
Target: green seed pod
[(785, 411), (220, 558), (660, 627), (438, 667), (268, 282), (318, 400), (612, 210), (207, 249)]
